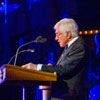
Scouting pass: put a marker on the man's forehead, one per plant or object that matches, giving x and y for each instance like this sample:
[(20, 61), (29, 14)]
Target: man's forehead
[(57, 31)]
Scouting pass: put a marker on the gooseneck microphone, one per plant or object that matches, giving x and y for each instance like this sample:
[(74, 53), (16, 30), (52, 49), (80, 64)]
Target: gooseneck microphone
[(28, 50), (38, 39), (43, 40)]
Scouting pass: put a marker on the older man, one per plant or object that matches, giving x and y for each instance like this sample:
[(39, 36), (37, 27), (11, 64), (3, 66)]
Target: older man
[(72, 66)]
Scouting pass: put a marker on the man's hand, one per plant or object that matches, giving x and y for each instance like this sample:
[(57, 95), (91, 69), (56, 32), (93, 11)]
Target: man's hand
[(30, 66)]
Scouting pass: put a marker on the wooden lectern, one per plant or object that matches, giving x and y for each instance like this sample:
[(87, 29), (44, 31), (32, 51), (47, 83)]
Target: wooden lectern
[(15, 75)]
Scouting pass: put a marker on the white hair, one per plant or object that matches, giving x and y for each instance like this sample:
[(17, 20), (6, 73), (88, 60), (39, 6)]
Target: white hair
[(67, 25)]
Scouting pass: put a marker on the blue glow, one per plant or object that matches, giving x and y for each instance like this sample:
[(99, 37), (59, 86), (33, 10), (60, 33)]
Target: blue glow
[(21, 41), (2, 8), (35, 0), (23, 93), (5, 7), (97, 40), (39, 94), (95, 93), (5, 10), (51, 55), (13, 7), (30, 1), (9, 8), (5, 20), (2, 74), (66, 16)]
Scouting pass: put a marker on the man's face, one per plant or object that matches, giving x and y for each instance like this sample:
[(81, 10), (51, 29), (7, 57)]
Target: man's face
[(61, 38)]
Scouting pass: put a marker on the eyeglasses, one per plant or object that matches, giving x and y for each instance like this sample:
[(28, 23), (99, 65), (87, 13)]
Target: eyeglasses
[(58, 35)]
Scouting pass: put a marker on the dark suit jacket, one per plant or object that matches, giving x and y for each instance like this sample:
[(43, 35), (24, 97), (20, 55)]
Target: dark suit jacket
[(72, 72)]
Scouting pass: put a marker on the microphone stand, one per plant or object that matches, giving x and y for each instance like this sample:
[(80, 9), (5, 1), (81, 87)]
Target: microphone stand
[(37, 40), (28, 50)]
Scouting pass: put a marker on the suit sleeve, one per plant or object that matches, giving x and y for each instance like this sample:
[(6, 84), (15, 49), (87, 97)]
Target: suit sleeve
[(71, 64)]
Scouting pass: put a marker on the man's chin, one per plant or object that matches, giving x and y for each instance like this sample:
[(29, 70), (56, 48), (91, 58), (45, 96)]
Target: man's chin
[(61, 46)]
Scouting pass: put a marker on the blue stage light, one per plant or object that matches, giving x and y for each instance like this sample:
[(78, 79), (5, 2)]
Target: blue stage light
[(35, 0), (21, 41), (66, 16), (1, 9), (95, 93)]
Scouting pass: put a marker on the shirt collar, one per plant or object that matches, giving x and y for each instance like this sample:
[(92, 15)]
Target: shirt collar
[(72, 41)]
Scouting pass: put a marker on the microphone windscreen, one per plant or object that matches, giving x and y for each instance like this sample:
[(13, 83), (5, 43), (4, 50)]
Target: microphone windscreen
[(30, 50), (43, 40), (38, 38)]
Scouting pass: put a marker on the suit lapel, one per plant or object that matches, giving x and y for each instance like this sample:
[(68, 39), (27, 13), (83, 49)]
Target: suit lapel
[(66, 51)]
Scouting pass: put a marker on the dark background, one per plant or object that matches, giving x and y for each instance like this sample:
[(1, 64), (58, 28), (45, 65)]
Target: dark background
[(22, 21)]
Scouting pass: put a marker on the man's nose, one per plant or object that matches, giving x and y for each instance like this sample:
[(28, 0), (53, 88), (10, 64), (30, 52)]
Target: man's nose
[(56, 38)]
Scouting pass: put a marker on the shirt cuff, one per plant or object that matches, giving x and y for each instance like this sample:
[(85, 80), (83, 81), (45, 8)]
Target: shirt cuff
[(39, 66)]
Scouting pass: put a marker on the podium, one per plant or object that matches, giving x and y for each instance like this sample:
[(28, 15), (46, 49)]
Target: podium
[(15, 75)]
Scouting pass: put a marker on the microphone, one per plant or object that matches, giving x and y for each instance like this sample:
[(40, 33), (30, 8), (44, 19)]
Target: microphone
[(43, 40), (28, 50), (38, 39)]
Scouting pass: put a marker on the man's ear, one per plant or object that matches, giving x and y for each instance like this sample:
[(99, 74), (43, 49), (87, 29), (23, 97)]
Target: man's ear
[(68, 35)]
